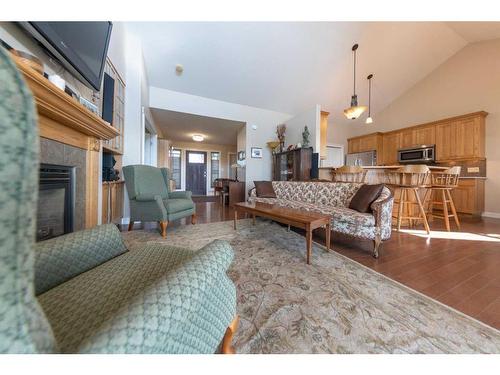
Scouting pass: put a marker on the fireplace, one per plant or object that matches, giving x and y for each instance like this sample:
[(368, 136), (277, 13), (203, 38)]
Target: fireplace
[(56, 201)]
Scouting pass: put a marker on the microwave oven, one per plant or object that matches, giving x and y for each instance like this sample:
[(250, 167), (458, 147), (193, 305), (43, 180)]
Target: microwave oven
[(422, 154)]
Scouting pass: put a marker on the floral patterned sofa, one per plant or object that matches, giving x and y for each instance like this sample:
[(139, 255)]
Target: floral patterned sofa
[(333, 198)]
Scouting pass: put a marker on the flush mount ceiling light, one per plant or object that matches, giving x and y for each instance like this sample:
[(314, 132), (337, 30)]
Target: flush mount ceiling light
[(369, 119), (198, 138), (355, 110)]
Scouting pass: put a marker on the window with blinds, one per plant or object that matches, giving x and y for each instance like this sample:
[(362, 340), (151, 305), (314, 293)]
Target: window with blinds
[(215, 167)]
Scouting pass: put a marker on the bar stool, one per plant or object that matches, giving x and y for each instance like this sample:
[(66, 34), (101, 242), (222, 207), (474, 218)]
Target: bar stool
[(348, 173), (409, 179), (442, 184)]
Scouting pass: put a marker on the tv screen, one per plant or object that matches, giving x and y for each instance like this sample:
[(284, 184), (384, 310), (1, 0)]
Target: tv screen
[(80, 46)]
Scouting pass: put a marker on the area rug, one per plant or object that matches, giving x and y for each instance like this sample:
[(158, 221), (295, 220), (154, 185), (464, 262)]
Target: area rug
[(334, 305)]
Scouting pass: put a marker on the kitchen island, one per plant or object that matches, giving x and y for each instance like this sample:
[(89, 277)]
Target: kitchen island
[(468, 196)]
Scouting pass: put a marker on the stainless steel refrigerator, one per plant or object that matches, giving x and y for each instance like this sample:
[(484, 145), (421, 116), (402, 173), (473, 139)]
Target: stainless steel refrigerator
[(362, 158)]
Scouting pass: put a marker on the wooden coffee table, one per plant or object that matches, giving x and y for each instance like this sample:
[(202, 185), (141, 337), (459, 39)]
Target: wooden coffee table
[(297, 218)]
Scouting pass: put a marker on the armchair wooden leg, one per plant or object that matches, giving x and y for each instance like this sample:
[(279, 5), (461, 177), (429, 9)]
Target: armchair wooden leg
[(193, 219), (130, 225), (227, 346), (163, 228)]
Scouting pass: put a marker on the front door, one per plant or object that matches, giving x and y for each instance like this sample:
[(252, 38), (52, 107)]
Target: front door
[(196, 172)]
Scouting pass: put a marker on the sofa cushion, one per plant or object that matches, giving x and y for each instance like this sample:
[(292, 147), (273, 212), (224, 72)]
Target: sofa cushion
[(347, 215), (335, 194), (296, 191), (264, 189), (178, 205), (365, 196)]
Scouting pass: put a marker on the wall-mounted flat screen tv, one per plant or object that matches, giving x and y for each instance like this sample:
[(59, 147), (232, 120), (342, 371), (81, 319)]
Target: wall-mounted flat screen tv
[(81, 47)]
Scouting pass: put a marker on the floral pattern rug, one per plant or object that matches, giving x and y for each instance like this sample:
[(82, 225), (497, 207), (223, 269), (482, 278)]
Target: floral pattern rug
[(334, 305)]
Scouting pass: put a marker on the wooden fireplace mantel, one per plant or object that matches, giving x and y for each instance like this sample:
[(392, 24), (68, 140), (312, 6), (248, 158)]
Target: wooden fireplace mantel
[(54, 104), (62, 118)]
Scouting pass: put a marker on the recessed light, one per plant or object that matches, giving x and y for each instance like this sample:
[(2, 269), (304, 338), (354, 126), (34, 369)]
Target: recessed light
[(198, 138)]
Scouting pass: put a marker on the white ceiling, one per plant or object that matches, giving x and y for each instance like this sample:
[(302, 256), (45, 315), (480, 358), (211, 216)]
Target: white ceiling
[(289, 67), (181, 127), (476, 31)]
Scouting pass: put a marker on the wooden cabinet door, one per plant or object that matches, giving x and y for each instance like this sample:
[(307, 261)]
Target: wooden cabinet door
[(408, 138), (425, 135), (353, 146), (391, 143), (464, 196), (368, 143), (105, 192), (466, 138), (445, 138)]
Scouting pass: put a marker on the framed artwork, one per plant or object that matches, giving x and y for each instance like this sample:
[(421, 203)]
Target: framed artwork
[(241, 155), (256, 152)]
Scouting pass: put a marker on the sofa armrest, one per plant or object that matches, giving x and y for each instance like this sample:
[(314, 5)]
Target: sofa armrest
[(196, 295), (180, 194), (382, 210), (62, 258)]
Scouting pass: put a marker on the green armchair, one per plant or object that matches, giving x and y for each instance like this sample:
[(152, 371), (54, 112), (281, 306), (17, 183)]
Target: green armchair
[(151, 199), (85, 292)]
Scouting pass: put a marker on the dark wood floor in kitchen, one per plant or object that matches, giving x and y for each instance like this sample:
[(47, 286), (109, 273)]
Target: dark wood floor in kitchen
[(460, 269)]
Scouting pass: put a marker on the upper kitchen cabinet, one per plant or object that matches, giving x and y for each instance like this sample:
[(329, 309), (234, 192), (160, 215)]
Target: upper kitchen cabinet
[(425, 135), (461, 138), (369, 142), (417, 136), (390, 146)]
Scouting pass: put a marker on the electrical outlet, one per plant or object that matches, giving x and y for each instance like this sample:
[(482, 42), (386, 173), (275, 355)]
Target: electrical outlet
[(473, 170)]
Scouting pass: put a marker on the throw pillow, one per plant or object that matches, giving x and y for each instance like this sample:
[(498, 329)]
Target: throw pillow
[(264, 189), (364, 197)]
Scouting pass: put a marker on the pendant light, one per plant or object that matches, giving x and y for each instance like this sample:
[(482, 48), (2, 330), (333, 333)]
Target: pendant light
[(369, 119), (355, 110)]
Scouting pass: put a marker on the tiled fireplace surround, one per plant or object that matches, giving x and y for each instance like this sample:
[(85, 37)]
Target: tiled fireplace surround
[(53, 152)]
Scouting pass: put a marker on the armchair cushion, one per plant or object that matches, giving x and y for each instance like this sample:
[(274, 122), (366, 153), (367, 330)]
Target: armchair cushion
[(157, 299), (180, 195), (62, 258), (178, 205), (144, 180)]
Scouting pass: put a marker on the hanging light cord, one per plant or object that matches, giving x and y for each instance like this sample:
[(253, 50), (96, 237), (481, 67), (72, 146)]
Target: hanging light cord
[(369, 97), (354, 72)]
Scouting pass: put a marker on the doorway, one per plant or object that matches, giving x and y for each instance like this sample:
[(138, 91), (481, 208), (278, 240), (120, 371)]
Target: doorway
[(231, 161), (196, 172)]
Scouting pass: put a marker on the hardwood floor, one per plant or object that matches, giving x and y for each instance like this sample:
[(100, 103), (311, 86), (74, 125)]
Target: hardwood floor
[(460, 269)]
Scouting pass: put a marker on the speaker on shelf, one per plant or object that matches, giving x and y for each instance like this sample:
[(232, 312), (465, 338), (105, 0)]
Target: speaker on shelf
[(108, 96), (315, 166)]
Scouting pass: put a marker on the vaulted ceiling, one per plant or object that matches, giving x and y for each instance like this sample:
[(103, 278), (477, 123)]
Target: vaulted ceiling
[(289, 67)]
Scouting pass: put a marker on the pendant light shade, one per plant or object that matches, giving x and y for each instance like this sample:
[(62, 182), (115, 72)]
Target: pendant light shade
[(355, 110), (369, 119)]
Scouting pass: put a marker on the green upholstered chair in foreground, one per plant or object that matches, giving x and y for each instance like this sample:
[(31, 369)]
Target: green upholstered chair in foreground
[(84, 292), (151, 199)]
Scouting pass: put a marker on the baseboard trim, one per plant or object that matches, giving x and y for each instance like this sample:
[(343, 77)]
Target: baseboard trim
[(494, 215)]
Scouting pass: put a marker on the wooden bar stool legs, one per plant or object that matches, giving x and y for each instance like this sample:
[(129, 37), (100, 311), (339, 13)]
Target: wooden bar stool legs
[(406, 213), (446, 199)]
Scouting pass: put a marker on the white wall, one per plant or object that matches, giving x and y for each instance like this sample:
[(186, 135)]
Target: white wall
[(295, 127), (133, 142), (265, 122), (469, 81)]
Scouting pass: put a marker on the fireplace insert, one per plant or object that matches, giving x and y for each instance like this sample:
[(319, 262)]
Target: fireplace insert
[(56, 201)]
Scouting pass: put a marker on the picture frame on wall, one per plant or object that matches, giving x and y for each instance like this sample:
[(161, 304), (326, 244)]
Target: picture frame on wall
[(241, 155), (256, 152)]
